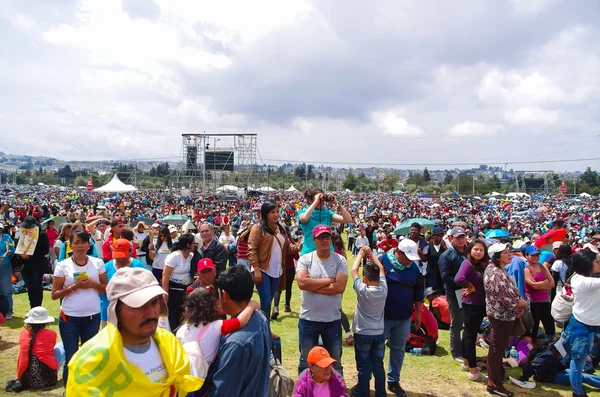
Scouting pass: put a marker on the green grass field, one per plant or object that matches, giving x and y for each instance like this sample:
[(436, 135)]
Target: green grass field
[(421, 376)]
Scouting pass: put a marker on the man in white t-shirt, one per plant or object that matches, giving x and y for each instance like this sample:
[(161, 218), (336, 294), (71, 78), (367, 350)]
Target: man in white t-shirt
[(132, 344)]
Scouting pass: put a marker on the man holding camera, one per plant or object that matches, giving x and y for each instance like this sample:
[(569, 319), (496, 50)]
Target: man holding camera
[(318, 213)]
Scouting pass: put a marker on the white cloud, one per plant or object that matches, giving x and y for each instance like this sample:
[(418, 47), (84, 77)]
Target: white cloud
[(528, 115), (293, 72), (471, 128), (515, 88), (528, 8), (393, 123)]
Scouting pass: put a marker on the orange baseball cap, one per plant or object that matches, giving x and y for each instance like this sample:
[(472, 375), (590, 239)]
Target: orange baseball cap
[(120, 248), (320, 356)]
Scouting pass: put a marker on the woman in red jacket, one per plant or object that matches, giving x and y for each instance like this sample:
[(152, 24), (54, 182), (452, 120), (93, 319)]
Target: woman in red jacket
[(37, 367)]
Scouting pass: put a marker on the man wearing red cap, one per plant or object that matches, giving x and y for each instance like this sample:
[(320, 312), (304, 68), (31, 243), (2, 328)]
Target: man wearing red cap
[(322, 277), (206, 274)]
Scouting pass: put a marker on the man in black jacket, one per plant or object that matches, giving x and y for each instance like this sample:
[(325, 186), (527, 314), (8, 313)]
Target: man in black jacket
[(449, 264), (209, 247), (36, 265)]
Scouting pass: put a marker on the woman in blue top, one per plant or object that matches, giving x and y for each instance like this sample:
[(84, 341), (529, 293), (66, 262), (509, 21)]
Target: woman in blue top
[(7, 247), (319, 214)]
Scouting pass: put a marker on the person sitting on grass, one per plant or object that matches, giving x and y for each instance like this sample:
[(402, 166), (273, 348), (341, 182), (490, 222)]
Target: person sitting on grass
[(37, 368), (368, 324), (320, 379)]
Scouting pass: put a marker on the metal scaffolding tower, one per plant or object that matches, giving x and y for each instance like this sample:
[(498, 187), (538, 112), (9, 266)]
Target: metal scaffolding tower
[(235, 161), (546, 187)]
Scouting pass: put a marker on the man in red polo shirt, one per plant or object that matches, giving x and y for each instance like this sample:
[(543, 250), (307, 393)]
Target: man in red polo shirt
[(389, 243)]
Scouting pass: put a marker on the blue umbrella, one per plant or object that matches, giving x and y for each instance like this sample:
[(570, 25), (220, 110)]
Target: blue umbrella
[(495, 233)]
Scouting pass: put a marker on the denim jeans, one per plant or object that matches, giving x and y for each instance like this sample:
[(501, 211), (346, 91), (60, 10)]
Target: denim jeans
[(369, 351), (6, 284), (456, 326), (245, 263), (396, 331), (564, 378), (576, 369), (72, 331), (266, 291), (308, 337)]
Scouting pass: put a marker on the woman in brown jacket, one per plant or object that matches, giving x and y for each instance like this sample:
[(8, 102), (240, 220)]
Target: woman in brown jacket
[(267, 248)]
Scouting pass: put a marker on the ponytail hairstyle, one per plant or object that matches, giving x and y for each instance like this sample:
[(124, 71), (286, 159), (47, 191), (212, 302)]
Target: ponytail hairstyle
[(34, 328)]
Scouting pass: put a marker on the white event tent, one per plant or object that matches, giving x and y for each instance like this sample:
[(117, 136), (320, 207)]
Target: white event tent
[(116, 186)]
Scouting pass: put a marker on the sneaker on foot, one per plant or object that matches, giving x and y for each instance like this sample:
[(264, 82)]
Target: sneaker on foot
[(464, 368), (287, 309), (483, 344), (395, 388), (459, 359), (275, 313), (501, 392), (8, 317), (478, 377), (523, 384)]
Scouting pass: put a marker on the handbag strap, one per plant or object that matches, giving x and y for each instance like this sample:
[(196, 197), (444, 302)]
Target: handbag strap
[(280, 246)]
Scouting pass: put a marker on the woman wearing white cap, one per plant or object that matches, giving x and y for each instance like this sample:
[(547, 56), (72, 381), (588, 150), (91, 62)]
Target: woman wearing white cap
[(503, 306), (37, 367)]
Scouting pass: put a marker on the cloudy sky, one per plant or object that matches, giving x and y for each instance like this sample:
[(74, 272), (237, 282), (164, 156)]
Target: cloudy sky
[(394, 82)]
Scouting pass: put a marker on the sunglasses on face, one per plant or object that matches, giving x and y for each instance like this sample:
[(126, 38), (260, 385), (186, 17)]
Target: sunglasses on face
[(324, 237)]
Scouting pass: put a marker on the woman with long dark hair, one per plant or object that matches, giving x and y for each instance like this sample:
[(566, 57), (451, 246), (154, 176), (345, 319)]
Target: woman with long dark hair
[(159, 250), (585, 320), (268, 246), (470, 277), (562, 268), (78, 281), (503, 306), (177, 276)]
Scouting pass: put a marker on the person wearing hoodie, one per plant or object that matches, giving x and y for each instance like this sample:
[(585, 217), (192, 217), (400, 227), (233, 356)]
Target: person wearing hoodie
[(320, 379)]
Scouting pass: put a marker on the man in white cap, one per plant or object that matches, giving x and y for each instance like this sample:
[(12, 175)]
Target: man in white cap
[(131, 355), (405, 289)]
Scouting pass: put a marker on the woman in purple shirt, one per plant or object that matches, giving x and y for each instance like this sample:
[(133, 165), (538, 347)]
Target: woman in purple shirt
[(470, 277)]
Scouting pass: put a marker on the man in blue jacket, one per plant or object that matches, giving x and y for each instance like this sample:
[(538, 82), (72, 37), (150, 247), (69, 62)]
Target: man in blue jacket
[(449, 264), (405, 294), (242, 366)]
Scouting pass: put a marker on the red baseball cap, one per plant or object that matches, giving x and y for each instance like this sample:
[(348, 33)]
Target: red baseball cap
[(205, 263), (320, 229)]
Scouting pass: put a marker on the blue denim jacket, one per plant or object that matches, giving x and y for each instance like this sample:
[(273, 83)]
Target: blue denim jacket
[(242, 365)]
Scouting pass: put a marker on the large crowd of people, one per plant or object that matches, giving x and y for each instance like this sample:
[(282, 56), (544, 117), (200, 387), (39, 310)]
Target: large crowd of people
[(156, 289)]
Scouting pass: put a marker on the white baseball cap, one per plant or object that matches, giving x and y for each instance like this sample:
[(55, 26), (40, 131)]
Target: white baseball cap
[(498, 247), (410, 249)]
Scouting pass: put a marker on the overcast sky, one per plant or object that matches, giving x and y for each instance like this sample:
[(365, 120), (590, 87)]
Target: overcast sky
[(398, 82)]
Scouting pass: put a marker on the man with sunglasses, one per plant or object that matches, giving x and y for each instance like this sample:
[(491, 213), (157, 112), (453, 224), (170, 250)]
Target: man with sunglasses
[(322, 276)]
